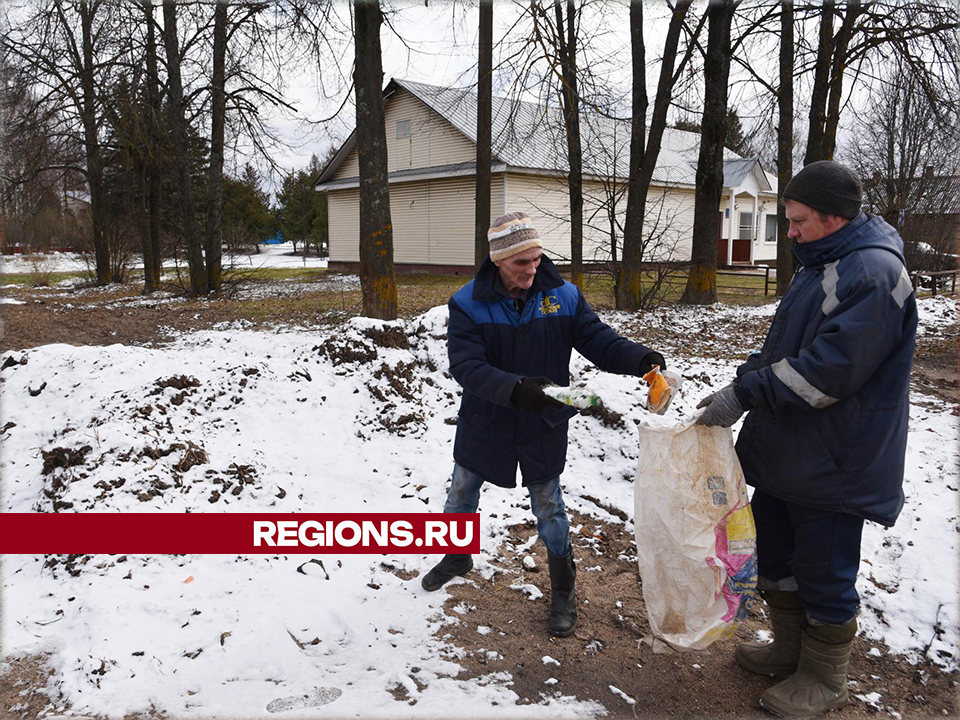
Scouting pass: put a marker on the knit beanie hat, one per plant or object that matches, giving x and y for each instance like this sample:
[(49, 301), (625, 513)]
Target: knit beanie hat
[(511, 234), (827, 186)]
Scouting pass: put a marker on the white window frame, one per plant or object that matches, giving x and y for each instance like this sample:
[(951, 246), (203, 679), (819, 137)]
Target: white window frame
[(748, 226), (404, 129), (770, 217)]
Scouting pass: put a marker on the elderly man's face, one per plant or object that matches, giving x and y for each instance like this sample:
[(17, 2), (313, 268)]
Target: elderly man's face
[(517, 271), (808, 225)]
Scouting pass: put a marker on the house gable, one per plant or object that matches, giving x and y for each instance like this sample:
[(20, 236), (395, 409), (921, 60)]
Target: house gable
[(427, 139)]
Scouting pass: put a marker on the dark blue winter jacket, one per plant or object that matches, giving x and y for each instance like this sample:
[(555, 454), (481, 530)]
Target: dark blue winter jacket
[(491, 347), (829, 390)]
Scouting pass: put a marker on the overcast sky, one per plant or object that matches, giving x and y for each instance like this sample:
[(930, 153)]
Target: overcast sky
[(437, 44)]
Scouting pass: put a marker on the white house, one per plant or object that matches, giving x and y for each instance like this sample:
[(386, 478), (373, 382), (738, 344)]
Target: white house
[(431, 160)]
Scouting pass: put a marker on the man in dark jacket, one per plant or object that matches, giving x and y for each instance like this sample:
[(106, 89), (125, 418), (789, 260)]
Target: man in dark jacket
[(512, 329), (826, 436)]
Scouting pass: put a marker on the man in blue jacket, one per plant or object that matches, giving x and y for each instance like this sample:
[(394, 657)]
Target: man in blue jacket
[(825, 439), (512, 329)]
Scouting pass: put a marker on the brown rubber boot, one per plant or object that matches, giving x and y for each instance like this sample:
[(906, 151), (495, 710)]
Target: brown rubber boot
[(782, 655), (820, 683)]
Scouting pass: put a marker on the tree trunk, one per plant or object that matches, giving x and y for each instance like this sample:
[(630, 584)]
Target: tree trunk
[(198, 274), (141, 169), (785, 259), (215, 178), (91, 142), (484, 132), (154, 151), (832, 119), (377, 280), (701, 286), (645, 152), (571, 120), (821, 85), (628, 279)]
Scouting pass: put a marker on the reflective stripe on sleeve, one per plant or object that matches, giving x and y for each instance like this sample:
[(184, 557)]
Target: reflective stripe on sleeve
[(796, 382), (829, 283), (903, 289)]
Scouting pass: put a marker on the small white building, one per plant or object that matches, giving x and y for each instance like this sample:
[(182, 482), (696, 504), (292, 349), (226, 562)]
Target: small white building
[(431, 162)]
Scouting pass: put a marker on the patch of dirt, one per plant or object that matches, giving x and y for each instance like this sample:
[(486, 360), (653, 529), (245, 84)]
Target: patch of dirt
[(157, 453), (60, 457), (606, 649), (244, 474), (346, 351), (936, 365), (609, 418), (399, 572), (180, 382), (193, 456), (72, 564), (390, 337), (23, 680), (400, 378)]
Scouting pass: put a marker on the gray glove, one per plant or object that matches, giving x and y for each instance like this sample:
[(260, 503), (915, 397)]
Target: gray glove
[(722, 408)]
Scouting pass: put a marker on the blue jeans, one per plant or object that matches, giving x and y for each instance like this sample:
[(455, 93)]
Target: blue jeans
[(546, 501), (815, 552)]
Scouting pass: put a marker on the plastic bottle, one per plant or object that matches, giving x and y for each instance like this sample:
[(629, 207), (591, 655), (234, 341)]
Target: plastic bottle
[(574, 397)]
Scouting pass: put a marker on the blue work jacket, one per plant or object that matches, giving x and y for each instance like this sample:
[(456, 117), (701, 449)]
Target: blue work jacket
[(830, 388), (491, 347)]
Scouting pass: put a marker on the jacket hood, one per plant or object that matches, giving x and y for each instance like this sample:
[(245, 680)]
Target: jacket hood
[(864, 231), (547, 278)]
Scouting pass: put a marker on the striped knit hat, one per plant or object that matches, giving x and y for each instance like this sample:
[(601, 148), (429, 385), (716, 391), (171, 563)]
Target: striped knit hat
[(511, 234)]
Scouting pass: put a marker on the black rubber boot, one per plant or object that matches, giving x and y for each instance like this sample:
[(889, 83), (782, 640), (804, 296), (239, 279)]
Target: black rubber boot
[(563, 601), (450, 567), (782, 656)]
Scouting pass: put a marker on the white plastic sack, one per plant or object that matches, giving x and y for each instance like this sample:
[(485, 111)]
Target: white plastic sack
[(696, 541)]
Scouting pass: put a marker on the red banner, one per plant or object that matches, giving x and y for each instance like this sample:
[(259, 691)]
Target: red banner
[(239, 533)]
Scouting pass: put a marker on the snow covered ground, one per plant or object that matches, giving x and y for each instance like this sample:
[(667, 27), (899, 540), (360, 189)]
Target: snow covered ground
[(270, 256), (354, 420)]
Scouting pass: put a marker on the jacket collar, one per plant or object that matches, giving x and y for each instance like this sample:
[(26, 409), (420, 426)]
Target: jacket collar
[(547, 278), (863, 231)]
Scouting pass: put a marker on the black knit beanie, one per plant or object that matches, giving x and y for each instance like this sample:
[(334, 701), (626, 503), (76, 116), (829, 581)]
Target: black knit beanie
[(827, 186)]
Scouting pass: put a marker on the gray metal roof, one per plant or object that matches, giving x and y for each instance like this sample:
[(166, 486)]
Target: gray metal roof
[(736, 171), (528, 135)]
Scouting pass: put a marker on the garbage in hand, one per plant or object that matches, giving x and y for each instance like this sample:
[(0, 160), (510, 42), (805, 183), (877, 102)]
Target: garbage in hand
[(663, 386), (574, 397)]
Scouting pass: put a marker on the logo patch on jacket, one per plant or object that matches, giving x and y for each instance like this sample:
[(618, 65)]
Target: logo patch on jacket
[(549, 305)]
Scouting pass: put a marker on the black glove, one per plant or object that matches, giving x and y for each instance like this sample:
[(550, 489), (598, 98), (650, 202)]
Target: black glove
[(528, 395), (651, 359), (721, 408)]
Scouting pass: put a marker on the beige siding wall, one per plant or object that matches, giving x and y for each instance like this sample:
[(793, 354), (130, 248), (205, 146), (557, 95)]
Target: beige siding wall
[(669, 217), (343, 223), (433, 141), (432, 221), (547, 203)]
